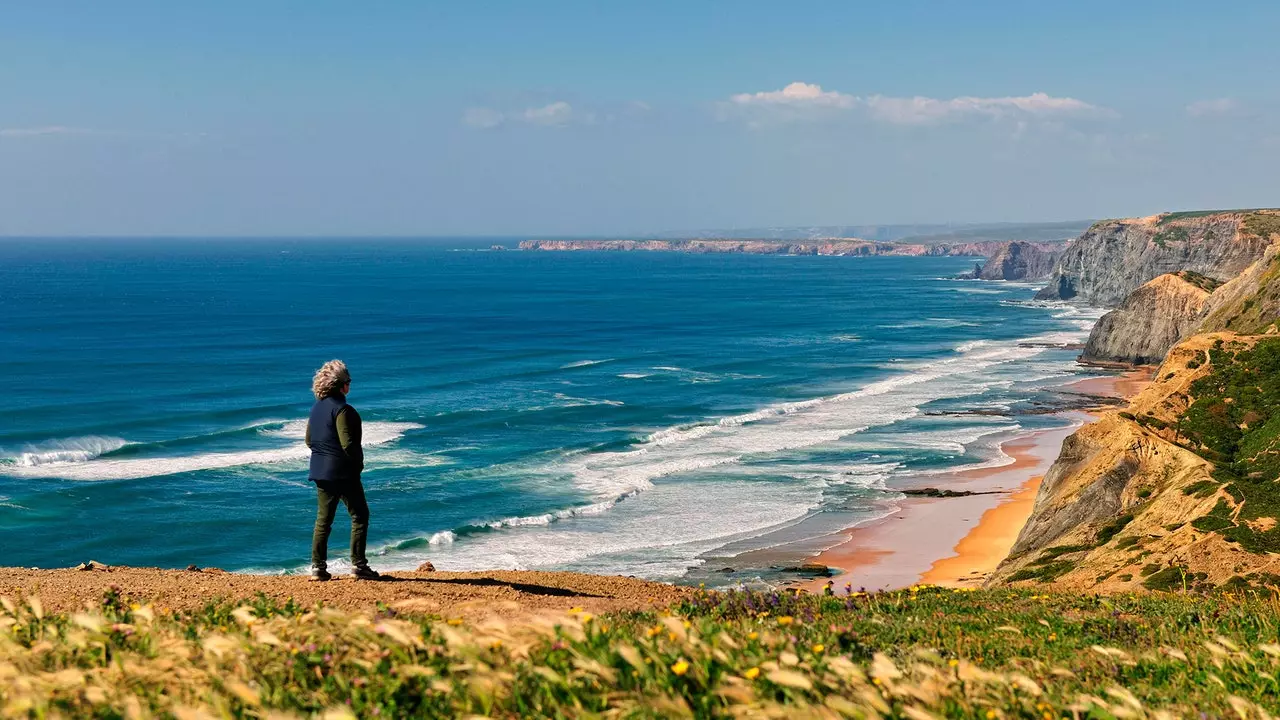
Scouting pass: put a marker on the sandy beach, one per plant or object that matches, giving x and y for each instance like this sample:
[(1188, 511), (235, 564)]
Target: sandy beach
[(958, 541)]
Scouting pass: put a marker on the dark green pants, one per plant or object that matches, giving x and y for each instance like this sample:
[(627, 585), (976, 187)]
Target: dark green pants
[(351, 494)]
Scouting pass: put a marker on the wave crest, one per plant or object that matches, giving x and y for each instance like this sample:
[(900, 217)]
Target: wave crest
[(68, 450)]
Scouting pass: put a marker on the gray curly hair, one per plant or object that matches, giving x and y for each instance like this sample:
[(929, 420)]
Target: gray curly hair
[(329, 378)]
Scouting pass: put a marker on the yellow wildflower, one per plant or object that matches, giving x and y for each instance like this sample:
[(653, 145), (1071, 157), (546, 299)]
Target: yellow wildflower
[(655, 630), (818, 648), (1053, 636), (681, 667), (786, 620), (575, 610), (455, 621), (753, 635), (991, 714), (752, 673), (953, 662)]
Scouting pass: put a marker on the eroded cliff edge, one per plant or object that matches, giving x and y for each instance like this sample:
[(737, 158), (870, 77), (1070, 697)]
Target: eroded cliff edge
[(1178, 490), (1113, 258), (1150, 321), (1182, 488), (1183, 301)]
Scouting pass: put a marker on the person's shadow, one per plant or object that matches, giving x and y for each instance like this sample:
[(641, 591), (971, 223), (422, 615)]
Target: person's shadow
[(528, 588)]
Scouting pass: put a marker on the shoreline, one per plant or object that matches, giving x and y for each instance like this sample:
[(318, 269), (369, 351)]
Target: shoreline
[(959, 541)]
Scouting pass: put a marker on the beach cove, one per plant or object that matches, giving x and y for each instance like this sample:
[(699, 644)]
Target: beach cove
[(958, 540)]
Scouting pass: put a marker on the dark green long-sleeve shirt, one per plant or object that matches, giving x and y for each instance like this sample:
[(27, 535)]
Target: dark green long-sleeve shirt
[(349, 434)]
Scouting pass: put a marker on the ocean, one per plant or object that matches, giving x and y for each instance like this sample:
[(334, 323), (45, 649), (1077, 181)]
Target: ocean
[(645, 414)]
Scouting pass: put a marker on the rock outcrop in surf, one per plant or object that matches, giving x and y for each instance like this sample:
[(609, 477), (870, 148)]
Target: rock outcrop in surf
[(1017, 260)]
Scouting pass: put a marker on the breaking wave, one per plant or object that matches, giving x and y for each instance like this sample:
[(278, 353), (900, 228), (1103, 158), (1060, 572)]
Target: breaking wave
[(75, 460)]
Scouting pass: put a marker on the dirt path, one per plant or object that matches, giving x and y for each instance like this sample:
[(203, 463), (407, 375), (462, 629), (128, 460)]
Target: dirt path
[(443, 593)]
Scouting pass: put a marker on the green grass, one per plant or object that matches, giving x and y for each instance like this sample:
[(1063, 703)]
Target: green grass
[(1234, 420), (1204, 282), (1261, 224), (1171, 234), (1189, 215), (911, 654), (1113, 528)]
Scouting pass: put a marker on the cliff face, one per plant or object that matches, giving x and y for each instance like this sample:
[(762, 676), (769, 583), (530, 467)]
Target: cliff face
[(1150, 321), (838, 246), (1132, 503), (1249, 303), (1019, 260), (1115, 257)]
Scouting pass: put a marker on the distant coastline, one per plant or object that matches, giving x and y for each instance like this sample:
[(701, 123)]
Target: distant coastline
[(832, 246)]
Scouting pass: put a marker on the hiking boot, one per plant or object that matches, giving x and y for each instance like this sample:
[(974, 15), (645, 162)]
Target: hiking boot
[(319, 574), (364, 572)]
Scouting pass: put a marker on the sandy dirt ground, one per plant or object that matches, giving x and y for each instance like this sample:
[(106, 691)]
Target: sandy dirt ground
[(447, 594)]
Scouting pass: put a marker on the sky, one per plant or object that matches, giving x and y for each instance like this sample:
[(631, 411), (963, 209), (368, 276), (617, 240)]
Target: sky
[(611, 118)]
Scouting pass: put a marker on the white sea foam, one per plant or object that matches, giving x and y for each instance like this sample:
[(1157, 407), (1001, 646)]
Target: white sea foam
[(571, 401), (444, 537), (633, 376), (701, 486), (67, 450), (584, 363), (130, 468)]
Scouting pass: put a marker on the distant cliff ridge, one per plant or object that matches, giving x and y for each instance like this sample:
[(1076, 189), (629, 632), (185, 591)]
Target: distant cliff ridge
[(835, 246), (1115, 257)]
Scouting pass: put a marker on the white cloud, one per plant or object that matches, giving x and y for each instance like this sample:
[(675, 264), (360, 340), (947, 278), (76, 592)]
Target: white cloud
[(482, 117), (557, 113), (1216, 106), (43, 130), (799, 96), (554, 114), (925, 110)]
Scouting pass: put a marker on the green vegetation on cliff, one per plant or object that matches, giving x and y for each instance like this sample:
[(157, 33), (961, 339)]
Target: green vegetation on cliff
[(917, 653), (1234, 421)]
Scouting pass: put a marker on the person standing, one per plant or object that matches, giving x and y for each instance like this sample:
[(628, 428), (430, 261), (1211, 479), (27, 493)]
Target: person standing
[(333, 434)]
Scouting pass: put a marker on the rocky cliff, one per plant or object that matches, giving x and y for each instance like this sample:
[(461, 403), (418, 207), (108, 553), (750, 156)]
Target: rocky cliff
[(1249, 303), (1115, 257), (1018, 260), (835, 246), (1147, 498), (1150, 320)]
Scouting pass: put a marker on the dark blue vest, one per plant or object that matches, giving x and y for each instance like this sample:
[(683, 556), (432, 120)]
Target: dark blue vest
[(329, 462)]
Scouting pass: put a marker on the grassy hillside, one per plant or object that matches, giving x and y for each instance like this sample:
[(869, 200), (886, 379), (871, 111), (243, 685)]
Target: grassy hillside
[(918, 654), (1234, 421)]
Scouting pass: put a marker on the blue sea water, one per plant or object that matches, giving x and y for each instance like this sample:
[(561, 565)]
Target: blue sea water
[(626, 413)]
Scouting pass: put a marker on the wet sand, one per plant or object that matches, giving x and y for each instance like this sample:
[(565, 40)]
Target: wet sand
[(959, 541)]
